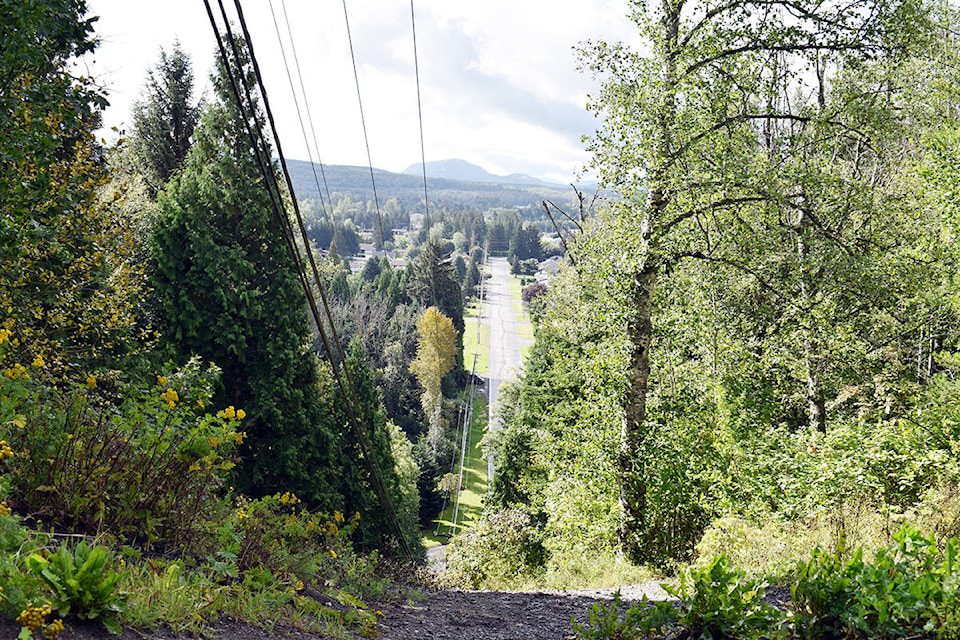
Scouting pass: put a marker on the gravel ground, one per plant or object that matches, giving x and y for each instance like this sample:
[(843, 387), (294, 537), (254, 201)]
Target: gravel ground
[(438, 615)]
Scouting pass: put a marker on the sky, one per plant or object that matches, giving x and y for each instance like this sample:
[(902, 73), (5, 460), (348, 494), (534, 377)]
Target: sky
[(498, 80)]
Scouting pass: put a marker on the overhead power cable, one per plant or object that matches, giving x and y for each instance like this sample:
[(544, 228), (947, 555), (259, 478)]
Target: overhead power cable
[(340, 370), (363, 123), (423, 155), (306, 107)]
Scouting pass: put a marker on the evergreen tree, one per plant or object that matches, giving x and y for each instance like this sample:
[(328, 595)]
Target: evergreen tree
[(164, 118), (228, 291), (434, 283)]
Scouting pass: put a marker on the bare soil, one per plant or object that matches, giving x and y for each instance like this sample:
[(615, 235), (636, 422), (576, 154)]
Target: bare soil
[(440, 614)]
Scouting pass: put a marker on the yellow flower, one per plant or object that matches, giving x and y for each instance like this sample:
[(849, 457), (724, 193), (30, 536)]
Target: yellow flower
[(241, 414), (299, 585), (5, 335), (171, 397), (200, 403), (161, 380), (91, 382), (19, 421), (242, 514), (5, 450), (213, 442), (337, 516), (53, 629), (229, 413), (38, 361), (333, 554), (289, 498), (332, 528), (5, 510), (238, 437)]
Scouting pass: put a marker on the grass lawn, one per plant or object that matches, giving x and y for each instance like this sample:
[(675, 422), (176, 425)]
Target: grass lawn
[(475, 482), (470, 345), (525, 330)]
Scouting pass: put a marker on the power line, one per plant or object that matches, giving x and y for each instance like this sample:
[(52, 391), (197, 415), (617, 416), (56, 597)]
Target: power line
[(423, 155), (270, 179), (306, 106), (363, 122), (366, 445)]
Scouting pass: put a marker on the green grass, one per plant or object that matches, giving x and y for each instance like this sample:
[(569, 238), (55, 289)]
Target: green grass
[(475, 481), (470, 346), (525, 331)]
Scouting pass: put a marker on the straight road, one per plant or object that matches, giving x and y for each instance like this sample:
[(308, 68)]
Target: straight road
[(506, 361)]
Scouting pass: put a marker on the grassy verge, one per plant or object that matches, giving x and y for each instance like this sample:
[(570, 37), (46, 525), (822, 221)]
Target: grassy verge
[(475, 482), (470, 346)]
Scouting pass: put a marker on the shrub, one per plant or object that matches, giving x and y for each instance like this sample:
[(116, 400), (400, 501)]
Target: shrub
[(502, 548), (146, 469), (909, 589)]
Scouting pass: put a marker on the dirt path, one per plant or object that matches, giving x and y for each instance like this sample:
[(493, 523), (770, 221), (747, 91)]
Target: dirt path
[(442, 614)]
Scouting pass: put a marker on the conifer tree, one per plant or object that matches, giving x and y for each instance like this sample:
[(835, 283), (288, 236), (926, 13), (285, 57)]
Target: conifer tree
[(228, 291), (164, 118)]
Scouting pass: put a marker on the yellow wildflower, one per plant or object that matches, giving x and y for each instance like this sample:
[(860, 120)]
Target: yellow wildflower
[(289, 498), (299, 585), (161, 380), (5, 335), (171, 397), (91, 382), (241, 414), (238, 437), (19, 421), (200, 403), (332, 528), (337, 516), (213, 442), (5, 450), (242, 514), (5, 510), (333, 554), (229, 413), (38, 362)]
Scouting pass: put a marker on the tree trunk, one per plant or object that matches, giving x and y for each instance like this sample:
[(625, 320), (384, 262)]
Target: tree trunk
[(631, 473)]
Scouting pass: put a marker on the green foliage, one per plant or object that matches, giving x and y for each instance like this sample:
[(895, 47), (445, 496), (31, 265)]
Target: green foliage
[(147, 468), (82, 582), (228, 291), (608, 623), (501, 549), (720, 603), (164, 118), (909, 588), (716, 602)]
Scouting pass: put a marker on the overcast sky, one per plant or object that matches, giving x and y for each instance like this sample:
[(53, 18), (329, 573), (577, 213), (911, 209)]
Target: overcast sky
[(498, 78)]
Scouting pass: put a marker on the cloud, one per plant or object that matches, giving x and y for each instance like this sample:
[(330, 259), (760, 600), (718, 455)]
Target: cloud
[(498, 80)]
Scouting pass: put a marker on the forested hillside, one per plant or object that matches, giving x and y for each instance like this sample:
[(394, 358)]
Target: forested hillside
[(752, 349), (233, 392)]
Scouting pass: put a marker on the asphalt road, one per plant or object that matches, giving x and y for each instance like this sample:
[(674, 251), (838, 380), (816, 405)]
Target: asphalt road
[(506, 361)]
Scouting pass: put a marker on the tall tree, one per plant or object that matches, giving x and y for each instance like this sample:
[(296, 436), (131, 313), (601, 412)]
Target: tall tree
[(67, 284), (229, 291), (164, 118), (681, 143), (436, 356), (435, 283)]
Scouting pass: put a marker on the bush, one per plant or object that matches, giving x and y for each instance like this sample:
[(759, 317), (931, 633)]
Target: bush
[(146, 469), (502, 548), (909, 589)]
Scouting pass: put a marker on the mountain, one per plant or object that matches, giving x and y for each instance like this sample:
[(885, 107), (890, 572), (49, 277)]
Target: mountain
[(408, 189), (463, 170)]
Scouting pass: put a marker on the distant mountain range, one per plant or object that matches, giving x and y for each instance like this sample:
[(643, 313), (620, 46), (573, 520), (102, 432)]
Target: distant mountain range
[(463, 170), (482, 190)]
